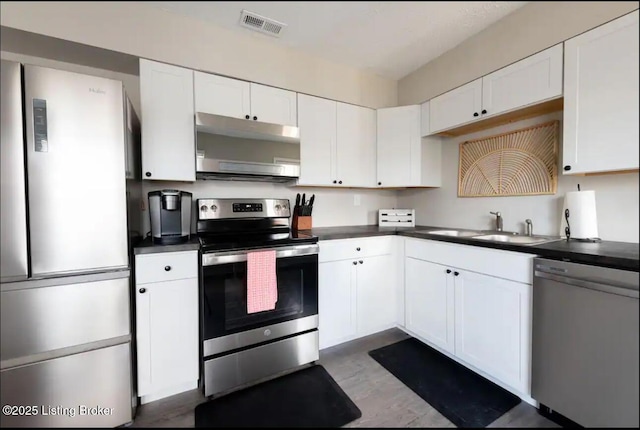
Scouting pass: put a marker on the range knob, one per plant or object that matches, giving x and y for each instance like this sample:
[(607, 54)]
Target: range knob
[(203, 208), (278, 207), (214, 208)]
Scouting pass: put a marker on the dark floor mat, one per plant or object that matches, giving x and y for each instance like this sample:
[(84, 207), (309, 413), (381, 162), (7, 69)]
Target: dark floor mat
[(307, 398), (464, 397)]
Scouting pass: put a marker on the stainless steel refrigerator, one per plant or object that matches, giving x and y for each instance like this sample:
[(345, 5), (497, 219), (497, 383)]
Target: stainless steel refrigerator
[(65, 356)]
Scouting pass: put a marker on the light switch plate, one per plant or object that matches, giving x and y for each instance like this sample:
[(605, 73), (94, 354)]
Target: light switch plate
[(356, 199)]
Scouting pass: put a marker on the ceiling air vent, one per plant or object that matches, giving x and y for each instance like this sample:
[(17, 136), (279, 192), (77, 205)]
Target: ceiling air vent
[(260, 23)]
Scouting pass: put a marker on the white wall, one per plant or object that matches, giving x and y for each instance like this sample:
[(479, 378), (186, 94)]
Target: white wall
[(141, 30), (616, 198), (332, 207), (530, 29)]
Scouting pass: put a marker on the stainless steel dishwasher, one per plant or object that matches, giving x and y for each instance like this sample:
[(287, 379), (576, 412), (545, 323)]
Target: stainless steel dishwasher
[(585, 343)]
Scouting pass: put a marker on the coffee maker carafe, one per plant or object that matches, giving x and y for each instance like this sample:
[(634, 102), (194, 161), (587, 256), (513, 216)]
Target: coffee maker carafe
[(170, 212)]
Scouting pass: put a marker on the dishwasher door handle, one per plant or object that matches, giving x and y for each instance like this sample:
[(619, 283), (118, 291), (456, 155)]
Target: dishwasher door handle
[(597, 286)]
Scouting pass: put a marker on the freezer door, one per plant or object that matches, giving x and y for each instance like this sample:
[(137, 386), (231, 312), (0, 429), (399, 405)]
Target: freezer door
[(76, 171), (13, 213), (43, 318)]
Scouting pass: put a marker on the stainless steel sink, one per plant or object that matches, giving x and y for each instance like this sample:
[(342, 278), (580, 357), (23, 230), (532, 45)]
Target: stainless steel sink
[(520, 240), (458, 233)]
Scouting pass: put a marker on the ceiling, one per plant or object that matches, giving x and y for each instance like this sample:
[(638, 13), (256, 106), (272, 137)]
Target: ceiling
[(391, 39)]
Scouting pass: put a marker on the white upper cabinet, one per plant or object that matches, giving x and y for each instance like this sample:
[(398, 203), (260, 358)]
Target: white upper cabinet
[(600, 130), (356, 146), (167, 120), (218, 95), (425, 127), (404, 158), (317, 124), (456, 107), (273, 105), (534, 79), (337, 143), (222, 96)]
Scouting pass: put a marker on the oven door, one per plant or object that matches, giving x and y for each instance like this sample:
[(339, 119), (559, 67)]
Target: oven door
[(226, 325)]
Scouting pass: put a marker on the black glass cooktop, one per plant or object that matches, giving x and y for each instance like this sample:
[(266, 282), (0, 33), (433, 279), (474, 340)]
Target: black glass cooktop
[(235, 241)]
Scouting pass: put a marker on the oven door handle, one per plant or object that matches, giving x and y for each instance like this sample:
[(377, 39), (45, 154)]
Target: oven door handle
[(217, 258)]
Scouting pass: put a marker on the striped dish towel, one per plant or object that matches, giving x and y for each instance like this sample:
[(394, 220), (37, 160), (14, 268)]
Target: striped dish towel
[(262, 284)]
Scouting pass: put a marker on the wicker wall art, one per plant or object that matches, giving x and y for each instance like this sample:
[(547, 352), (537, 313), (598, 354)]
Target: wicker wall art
[(518, 163)]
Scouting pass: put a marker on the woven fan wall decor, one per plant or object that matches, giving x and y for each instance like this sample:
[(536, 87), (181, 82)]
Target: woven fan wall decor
[(518, 163)]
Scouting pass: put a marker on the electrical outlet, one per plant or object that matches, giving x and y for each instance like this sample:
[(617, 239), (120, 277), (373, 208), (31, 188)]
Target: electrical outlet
[(356, 199)]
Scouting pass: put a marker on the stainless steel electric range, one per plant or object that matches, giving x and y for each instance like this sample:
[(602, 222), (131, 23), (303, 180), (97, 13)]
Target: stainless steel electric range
[(239, 348)]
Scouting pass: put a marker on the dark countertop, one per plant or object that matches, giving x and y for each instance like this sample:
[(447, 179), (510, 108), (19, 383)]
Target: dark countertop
[(618, 255), (351, 231), (148, 247)]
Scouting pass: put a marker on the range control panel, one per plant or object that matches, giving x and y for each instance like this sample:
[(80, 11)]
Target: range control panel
[(247, 207), (242, 208)]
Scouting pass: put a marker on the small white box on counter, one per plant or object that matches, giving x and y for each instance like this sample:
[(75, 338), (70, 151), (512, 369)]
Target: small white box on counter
[(397, 217)]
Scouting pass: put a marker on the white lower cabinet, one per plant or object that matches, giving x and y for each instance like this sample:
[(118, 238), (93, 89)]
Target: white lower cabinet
[(429, 305), (375, 294), (357, 289), (336, 302), (166, 324), (492, 324), (484, 320)]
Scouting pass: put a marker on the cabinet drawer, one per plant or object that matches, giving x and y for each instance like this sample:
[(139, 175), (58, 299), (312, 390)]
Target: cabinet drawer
[(344, 249), (166, 266)]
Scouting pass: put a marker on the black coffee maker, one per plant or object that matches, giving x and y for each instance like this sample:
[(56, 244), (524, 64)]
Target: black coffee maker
[(170, 212)]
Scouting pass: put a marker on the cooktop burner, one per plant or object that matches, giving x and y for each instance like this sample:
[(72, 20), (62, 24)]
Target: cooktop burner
[(248, 240)]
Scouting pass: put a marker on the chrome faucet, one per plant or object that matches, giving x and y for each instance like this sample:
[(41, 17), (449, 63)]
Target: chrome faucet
[(498, 220), (529, 227)]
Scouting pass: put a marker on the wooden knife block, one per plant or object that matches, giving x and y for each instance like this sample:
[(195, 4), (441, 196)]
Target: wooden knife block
[(301, 222)]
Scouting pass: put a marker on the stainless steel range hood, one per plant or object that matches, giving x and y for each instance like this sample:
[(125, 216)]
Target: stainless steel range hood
[(245, 150), (235, 127)]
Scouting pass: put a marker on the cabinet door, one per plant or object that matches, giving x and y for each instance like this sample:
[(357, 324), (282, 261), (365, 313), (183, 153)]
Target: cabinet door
[(167, 334), (336, 302), (376, 294), (532, 80), (356, 146), (456, 107), (168, 127), (493, 327), (429, 296), (273, 105), (425, 127), (218, 95), (601, 98), (317, 121), (398, 146)]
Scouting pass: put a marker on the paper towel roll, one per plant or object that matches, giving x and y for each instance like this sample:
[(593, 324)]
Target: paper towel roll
[(583, 221)]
